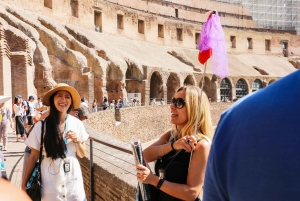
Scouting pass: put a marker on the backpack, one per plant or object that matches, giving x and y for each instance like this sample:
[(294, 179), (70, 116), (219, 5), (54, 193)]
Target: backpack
[(28, 109)]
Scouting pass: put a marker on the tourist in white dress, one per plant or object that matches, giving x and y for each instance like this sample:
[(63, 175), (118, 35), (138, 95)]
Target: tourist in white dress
[(64, 138)]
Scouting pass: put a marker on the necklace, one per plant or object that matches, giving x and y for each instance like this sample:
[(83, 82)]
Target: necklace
[(61, 127)]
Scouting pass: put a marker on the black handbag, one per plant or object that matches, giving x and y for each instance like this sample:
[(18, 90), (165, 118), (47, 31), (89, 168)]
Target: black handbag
[(34, 185)]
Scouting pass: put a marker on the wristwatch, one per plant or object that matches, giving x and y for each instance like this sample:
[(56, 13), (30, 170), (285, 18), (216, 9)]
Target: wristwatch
[(161, 181)]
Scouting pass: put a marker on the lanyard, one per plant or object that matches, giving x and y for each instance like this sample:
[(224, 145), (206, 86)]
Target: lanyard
[(66, 130)]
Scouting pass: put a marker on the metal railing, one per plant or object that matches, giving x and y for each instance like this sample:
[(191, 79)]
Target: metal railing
[(92, 189)]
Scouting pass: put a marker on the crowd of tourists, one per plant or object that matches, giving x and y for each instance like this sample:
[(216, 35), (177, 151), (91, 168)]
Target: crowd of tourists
[(253, 155)]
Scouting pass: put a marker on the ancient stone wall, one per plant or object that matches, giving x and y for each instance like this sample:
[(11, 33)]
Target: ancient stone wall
[(151, 14), (145, 123), (5, 65), (20, 71), (107, 186)]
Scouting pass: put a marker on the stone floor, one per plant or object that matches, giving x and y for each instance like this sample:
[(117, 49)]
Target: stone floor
[(14, 159)]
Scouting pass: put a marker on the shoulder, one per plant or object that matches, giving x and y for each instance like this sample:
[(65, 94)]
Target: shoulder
[(75, 123), (74, 120), (203, 145), (166, 136)]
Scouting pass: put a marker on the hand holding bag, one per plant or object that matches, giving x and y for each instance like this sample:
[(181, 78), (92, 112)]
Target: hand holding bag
[(34, 185)]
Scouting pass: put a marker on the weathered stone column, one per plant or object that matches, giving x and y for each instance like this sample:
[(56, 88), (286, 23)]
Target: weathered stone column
[(165, 89), (5, 67), (215, 92), (233, 93), (19, 74), (147, 92), (91, 87), (21, 67)]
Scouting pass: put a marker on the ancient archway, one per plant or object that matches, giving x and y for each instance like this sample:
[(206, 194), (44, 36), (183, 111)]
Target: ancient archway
[(241, 88), (173, 84), (206, 85), (189, 80), (114, 83), (156, 86), (134, 81), (225, 90), (256, 85), (271, 81)]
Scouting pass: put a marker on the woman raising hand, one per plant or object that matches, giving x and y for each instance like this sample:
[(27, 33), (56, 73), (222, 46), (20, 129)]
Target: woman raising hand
[(178, 176)]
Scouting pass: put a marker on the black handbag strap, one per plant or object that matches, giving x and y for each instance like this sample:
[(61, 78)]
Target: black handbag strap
[(41, 145)]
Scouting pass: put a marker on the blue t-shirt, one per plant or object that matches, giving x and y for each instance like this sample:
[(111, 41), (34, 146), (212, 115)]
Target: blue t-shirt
[(255, 155)]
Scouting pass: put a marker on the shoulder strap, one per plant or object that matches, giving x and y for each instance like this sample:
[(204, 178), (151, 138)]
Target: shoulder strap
[(41, 145)]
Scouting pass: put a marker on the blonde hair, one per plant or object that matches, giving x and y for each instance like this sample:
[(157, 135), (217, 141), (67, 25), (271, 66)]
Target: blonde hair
[(192, 102)]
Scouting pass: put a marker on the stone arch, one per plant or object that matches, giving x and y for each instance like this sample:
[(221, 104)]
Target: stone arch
[(114, 85), (156, 86), (189, 80), (173, 83), (134, 80), (241, 88), (271, 81), (256, 85), (206, 85), (226, 90)]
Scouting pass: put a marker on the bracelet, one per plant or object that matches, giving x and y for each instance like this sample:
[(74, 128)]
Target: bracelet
[(78, 142), (172, 143), (161, 181)]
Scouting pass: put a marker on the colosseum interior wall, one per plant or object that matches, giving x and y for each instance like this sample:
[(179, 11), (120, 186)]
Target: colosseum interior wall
[(60, 52)]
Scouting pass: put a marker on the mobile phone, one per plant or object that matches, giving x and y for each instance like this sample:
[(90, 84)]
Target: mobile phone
[(67, 165)]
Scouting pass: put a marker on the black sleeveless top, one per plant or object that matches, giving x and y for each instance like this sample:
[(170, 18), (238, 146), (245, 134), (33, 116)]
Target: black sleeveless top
[(177, 170)]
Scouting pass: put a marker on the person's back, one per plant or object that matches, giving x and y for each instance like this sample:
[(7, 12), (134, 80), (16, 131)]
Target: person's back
[(255, 152)]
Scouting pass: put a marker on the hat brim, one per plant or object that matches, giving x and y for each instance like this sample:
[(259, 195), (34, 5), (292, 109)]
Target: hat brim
[(71, 90), (3, 99)]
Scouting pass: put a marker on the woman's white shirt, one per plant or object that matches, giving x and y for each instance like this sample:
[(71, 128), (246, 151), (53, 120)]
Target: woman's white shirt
[(19, 110), (57, 184)]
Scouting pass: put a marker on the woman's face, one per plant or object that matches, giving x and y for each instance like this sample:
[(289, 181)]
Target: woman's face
[(179, 116), (62, 101)]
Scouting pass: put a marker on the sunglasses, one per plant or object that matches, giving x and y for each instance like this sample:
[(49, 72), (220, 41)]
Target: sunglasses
[(178, 102)]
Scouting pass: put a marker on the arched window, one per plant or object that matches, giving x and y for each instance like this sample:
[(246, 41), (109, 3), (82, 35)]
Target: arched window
[(225, 89), (256, 85), (241, 88)]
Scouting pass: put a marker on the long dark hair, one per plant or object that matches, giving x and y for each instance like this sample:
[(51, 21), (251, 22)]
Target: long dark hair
[(16, 100), (54, 143)]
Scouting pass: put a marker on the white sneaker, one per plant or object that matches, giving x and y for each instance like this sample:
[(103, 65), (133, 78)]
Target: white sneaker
[(4, 149)]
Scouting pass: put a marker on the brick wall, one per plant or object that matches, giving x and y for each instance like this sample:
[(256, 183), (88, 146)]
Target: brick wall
[(19, 70), (114, 171), (107, 186)]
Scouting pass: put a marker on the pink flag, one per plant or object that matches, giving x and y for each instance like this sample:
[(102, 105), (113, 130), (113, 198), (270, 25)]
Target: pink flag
[(212, 41)]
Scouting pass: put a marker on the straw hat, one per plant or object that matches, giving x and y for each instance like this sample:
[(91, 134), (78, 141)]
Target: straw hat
[(63, 87), (3, 99)]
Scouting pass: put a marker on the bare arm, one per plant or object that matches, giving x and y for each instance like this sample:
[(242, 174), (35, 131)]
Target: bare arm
[(195, 179), (10, 120), (33, 157), (41, 108), (80, 146), (161, 147), (158, 148), (80, 149)]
